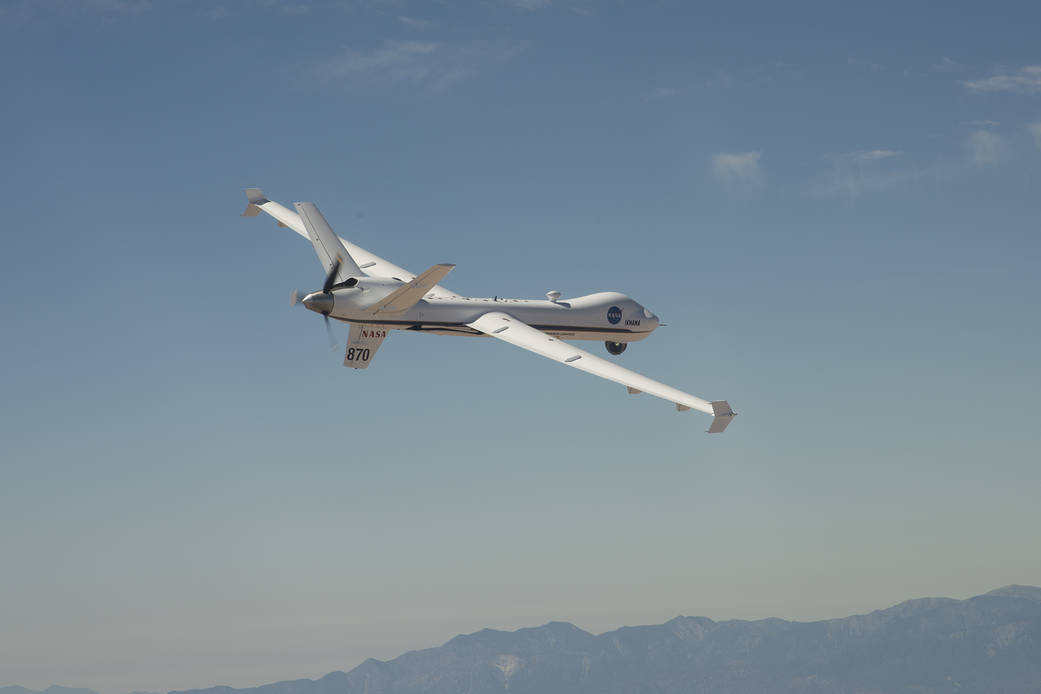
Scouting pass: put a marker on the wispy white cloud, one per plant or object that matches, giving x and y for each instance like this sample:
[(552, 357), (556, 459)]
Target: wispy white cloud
[(436, 66), (414, 22), (26, 10), (1025, 80), (225, 9), (851, 183), (752, 75), (878, 170), (398, 59), (530, 4), (945, 64), (738, 169), (987, 148), (861, 173), (875, 155), (983, 123), (1035, 130)]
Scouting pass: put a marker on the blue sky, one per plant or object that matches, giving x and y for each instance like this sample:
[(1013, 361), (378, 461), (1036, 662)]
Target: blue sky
[(835, 210)]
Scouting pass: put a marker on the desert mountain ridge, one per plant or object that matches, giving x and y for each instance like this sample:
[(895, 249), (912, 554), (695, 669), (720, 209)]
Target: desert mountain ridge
[(991, 642)]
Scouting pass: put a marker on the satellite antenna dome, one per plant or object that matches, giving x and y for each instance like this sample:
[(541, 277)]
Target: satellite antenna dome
[(553, 295)]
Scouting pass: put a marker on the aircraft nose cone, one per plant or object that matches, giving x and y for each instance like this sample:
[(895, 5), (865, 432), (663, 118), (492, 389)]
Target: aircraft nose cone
[(319, 302), (651, 319)]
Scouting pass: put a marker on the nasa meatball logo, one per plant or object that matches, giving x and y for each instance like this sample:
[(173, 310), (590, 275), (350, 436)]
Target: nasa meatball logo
[(614, 314)]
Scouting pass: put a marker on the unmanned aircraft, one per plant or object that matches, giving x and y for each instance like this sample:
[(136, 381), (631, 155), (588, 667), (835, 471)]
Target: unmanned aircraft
[(375, 297)]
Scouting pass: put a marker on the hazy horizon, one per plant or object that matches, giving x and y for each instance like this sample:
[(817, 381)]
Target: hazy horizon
[(289, 678)]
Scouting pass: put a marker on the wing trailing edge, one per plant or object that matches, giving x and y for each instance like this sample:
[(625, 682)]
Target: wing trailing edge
[(508, 329)]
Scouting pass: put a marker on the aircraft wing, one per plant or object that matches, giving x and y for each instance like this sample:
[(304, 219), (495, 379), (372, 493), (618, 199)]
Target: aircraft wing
[(327, 245), (369, 263), (509, 329)]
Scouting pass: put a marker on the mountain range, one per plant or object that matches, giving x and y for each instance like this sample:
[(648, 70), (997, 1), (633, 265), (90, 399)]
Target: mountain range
[(988, 643)]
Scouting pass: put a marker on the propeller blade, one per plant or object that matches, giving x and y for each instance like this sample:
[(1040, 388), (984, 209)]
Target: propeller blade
[(329, 331), (330, 279), (294, 298)]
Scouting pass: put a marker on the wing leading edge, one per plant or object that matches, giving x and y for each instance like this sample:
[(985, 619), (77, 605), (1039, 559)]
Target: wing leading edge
[(520, 334)]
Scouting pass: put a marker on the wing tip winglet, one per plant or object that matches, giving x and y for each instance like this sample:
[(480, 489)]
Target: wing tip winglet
[(722, 416), (256, 198)]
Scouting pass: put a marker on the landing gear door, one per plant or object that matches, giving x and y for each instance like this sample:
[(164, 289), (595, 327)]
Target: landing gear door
[(362, 344)]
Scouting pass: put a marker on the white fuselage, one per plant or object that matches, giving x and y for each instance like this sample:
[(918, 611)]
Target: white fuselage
[(606, 316)]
